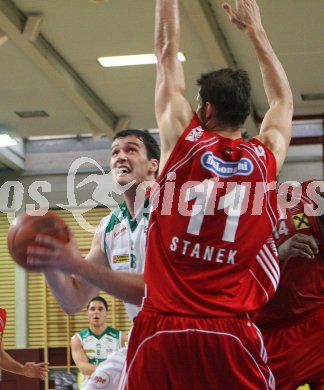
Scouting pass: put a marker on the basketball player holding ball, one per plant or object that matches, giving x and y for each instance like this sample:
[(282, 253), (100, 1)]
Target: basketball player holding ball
[(115, 262)]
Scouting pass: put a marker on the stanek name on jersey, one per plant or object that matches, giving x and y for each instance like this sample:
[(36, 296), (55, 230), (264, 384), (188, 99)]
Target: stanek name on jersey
[(203, 252)]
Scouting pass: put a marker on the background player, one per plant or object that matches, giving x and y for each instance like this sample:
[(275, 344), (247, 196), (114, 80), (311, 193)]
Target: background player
[(91, 346), (292, 323), (203, 272), (7, 363)]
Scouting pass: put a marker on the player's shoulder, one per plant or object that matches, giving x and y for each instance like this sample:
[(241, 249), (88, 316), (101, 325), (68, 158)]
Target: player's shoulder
[(260, 147), (84, 333), (112, 332), (261, 151)]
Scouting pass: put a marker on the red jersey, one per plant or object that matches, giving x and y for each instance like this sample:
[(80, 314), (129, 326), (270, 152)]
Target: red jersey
[(3, 320), (209, 251), (301, 289)]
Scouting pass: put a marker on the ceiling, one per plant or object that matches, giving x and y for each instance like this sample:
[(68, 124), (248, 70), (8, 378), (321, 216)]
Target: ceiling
[(52, 66)]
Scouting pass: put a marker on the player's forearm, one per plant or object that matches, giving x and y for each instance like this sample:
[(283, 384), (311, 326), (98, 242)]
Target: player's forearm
[(275, 81), (167, 27), (8, 363), (87, 368), (68, 290), (124, 285)]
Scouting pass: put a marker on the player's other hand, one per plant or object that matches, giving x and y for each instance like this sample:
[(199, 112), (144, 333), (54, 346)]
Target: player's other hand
[(49, 253), (36, 370), (299, 245), (246, 16)]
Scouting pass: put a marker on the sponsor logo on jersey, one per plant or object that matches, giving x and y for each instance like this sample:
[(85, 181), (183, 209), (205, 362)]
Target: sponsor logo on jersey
[(120, 258), (301, 221), (100, 381), (119, 232), (89, 350), (243, 167), (195, 134)]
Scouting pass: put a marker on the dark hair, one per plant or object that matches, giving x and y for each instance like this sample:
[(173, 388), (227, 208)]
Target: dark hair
[(100, 299), (152, 147), (229, 90)]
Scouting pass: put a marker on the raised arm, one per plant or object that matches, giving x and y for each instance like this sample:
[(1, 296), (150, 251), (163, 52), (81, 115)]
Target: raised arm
[(173, 111), (275, 130)]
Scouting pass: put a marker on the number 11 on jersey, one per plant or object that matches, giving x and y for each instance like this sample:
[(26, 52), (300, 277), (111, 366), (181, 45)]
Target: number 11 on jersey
[(231, 203)]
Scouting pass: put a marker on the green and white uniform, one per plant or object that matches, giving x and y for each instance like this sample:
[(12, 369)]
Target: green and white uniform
[(97, 348), (123, 239)]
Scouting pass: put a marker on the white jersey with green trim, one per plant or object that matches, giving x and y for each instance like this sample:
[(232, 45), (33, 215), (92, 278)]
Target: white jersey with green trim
[(97, 348), (123, 239)]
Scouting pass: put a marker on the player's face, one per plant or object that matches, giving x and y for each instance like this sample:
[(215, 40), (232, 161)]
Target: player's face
[(97, 313), (129, 161)]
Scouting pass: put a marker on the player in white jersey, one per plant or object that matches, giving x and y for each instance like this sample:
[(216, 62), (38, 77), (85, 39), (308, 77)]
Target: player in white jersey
[(123, 240), (91, 346), (74, 280)]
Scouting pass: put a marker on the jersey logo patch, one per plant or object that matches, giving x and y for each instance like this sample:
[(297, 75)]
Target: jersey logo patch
[(259, 150), (89, 351), (243, 167), (195, 134), (120, 259), (100, 381), (301, 221)]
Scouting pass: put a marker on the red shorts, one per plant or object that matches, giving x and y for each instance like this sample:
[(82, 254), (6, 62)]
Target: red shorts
[(181, 353), (296, 353)]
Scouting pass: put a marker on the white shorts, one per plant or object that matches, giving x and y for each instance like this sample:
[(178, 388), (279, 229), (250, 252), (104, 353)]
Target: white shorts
[(108, 373)]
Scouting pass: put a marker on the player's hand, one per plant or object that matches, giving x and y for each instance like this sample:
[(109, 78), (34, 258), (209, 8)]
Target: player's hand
[(53, 254), (246, 16), (36, 370), (299, 245)]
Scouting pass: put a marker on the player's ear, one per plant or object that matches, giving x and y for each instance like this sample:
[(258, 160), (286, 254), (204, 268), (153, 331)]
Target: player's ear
[(209, 110), (154, 165)]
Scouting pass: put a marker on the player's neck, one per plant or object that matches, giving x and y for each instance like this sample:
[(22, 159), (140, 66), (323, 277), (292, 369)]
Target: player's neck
[(134, 199), (98, 330), (225, 131)]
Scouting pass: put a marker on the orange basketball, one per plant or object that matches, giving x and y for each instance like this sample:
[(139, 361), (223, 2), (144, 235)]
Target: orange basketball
[(26, 227)]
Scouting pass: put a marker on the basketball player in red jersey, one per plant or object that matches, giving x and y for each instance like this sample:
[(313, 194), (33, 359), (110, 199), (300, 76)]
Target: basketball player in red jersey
[(292, 323), (8, 363), (203, 271)]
